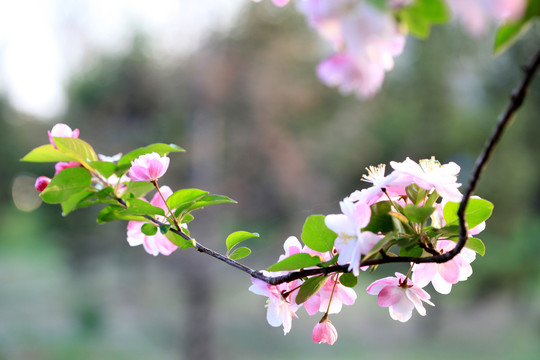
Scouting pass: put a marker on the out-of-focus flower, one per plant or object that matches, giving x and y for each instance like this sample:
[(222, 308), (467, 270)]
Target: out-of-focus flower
[(148, 167), (325, 332), (400, 296), (477, 14), (443, 275), (112, 159), (41, 183), (61, 130), (154, 244), (59, 166)]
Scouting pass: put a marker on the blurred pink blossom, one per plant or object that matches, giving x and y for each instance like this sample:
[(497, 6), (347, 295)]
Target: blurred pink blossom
[(148, 167), (59, 166), (41, 183), (279, 3)]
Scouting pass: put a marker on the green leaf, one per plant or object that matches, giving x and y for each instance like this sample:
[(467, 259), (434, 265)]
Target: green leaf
[(164, 228), (141, 207), (114, 212), (387, 241), (237, 237), (418, 214), (240, 253), (412, 251), (316, 235), (47, 153), (72, 203), (161, 149), (66, 184), (138, 189), (310, 288), (79, 149), (415, 193), (105, 168), (477, 211), (149, 229), (476, 245), (179, 240), (209, 200), (422, 14), (186, 219), (183, 198), (348, 280), (380, 220), (296, 261), (509, 32)]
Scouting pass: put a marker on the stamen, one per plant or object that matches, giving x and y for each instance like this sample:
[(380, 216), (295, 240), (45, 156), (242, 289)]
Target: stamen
[(375, 174)]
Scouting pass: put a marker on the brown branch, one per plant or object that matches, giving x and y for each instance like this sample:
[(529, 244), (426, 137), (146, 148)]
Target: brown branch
[(516, 100)]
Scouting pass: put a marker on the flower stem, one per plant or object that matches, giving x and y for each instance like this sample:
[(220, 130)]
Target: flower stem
[(167, 205)]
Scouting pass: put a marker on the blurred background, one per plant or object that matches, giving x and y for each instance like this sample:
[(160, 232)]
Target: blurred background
[(234, 84)]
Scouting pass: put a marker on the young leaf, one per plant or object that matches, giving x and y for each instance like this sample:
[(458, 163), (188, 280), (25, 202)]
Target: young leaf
[(477, 211), (380, 220), (185, 196), (310, 288), (237, 237), (138, 189), (418, 214), (162, 149), (421, 14), (210, 200), (240, 253), (476, 245), (412, 251), (316, 235), (348, 280), (47, 153), (296, 261), (149, 229), (66, 184), (509, 32), (79, 149), (105, 168), (114, 212)]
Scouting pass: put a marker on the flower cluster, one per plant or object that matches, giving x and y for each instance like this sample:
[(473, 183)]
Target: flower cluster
[(367, 35), (412, 209)]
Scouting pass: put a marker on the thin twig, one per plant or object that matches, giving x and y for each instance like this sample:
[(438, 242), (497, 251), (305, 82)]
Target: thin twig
[(516, 100)]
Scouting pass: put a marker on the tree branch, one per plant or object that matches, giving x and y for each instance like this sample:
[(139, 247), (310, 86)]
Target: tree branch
[(516, 100)]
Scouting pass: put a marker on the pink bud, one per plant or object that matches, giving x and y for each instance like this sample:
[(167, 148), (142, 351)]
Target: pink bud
[(41, 183), (325, 332), (65, 165), (149, 167), (61, 130)]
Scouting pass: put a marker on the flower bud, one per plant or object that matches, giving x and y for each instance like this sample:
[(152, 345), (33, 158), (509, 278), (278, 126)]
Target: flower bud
[(41, 183), (325, 332)]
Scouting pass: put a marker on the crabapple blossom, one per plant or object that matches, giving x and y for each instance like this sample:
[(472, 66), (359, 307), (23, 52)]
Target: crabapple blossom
[(153, 244), (61, 130), (393, 184), (324, 332), (443, 275), (148, 167), (400, 295), (351, 242), (280, 310), (41, 183), (430, 174)]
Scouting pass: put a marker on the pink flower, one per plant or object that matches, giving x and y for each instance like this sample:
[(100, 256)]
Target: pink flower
[(443, 275), (351, 242), (155, 244), (430, 174), (325, 332), (41, 183), (400, 297), (59, 166), (148, 167), (351, 74), (61, 130), (280, 310)]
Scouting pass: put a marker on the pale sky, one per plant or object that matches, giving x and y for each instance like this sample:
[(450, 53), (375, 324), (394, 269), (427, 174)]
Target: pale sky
[(42, 41)]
